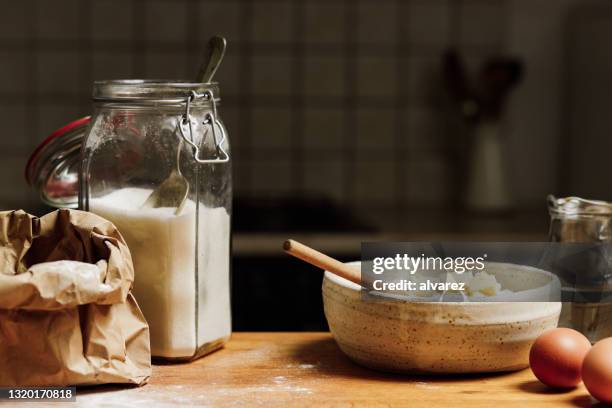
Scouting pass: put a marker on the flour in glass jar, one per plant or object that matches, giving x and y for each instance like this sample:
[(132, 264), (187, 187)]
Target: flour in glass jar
[(165, 250)]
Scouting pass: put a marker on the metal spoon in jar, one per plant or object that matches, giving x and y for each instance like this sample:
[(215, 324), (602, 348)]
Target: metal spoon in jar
[(216, 52), (173, 191)]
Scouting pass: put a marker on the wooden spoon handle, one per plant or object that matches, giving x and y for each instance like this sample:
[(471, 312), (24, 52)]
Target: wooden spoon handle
[(320, 260)]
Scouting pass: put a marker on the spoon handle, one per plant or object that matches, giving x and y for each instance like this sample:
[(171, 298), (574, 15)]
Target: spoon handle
[(216, 50), (320, 260)]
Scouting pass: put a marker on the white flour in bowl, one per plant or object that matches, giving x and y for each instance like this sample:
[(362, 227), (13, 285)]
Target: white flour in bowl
[(163, 248)]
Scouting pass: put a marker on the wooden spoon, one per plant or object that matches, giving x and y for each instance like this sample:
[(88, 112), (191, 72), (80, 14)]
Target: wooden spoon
[(320, 260)]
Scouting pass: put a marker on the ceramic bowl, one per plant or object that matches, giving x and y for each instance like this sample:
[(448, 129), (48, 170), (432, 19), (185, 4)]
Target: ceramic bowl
[(439, 337)]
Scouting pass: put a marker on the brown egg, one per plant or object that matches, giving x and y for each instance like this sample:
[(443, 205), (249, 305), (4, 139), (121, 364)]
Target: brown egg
[(597, 370), (556, 357)]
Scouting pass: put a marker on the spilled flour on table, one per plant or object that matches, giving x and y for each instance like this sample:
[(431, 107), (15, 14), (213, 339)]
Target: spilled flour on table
[(267, 390), (279, 379), (185, 395), (302, 366), (162, 396), (422, 384), (244, 391)]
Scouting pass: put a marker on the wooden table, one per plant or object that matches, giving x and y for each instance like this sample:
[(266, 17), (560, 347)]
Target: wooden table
[(308, 369)]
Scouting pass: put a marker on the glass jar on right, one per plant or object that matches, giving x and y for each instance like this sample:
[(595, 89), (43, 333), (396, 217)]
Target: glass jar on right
[(578, 220)]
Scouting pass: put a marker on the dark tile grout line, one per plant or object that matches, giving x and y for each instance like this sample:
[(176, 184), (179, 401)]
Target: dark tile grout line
[(244, 131), (453, 174), (503, 33), (401, 133), (139, 47), (85, 68), (350, 115), (195, 47), (32, 116), (297, 98), (304, 1), (454, 31), (307, 1), (371, 102), (414, 50), (325, 154)]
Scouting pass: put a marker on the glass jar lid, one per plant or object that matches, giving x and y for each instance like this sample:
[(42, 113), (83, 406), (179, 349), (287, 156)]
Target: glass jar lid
[(53, 167), (578, 206), (151, 91)]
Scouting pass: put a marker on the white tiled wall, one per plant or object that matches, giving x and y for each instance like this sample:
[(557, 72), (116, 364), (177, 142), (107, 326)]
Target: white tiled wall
[(340, 98)]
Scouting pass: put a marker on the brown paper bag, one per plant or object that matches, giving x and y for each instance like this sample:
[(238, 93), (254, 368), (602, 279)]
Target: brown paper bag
[(67, 315)]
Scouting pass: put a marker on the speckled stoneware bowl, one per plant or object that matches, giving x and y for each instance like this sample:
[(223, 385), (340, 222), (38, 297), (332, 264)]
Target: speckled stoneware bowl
[(428, 337)]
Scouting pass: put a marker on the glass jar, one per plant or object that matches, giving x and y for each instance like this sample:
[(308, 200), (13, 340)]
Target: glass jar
[(147, 134), (576, 220)]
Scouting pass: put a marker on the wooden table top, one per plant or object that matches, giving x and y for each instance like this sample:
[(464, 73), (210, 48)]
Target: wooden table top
[(308, 369)]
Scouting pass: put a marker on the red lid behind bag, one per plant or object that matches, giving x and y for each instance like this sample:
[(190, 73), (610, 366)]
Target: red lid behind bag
[(53, 167)]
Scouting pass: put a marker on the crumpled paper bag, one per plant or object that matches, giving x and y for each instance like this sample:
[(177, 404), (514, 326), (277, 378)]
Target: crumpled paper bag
[(67, 316)]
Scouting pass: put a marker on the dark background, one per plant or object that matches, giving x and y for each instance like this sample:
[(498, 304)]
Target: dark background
[(343, 124)]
